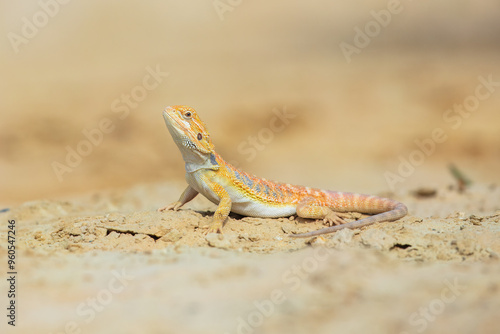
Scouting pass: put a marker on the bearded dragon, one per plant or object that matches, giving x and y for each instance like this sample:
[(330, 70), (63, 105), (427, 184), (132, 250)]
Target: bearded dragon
[(233, 190)]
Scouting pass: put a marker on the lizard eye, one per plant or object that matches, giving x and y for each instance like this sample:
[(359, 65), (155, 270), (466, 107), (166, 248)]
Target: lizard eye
[(200, 137), (187, 114)]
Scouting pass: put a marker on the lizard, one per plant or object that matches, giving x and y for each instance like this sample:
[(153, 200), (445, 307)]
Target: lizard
[(233, 190)]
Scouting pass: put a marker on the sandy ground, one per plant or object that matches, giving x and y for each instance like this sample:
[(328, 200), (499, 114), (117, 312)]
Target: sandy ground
[(112, 261), (94, 255)]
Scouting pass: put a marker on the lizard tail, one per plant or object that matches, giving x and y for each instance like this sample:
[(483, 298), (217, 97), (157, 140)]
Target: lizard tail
[(385, 209)]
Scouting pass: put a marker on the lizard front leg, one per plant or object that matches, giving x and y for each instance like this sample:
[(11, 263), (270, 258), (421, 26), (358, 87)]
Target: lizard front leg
[(186, 196), (223, 209), (311, 208)]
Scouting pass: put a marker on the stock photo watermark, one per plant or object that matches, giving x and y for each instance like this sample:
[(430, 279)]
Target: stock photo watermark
[(254, 144), (425, 315), (122, 106), (224, 6), (88, 309), (12, 291), (31, 26), (292, 280), (453, 118), (371, 29)]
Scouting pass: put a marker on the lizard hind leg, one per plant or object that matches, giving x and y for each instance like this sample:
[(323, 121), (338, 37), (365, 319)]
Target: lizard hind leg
[(311, 208)]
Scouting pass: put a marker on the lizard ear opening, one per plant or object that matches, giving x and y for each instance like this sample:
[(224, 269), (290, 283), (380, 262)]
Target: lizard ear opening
[(200, 137)]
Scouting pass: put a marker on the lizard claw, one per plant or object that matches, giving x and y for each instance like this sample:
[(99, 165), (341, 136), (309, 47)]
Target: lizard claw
[(333, 218), (174, 207), (214, 227)]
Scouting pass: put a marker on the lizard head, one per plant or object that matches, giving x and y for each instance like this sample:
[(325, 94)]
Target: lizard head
[(188, 132)]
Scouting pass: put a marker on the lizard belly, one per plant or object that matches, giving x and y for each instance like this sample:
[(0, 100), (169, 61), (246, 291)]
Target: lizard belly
[(242, 203), (245, 205)]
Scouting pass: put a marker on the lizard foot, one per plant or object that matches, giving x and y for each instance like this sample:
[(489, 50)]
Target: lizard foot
[(174, 206), (214, 227), (334, 218)]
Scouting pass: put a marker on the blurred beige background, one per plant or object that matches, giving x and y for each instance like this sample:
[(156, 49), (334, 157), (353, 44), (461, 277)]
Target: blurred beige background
[(353, 120)]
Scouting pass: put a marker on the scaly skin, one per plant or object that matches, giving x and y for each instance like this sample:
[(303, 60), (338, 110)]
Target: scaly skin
[(234, 190)]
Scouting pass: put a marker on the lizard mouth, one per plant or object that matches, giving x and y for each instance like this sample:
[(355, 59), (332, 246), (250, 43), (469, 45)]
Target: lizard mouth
[(167, 114), (175, 127), (181, 131), (171, 121)]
